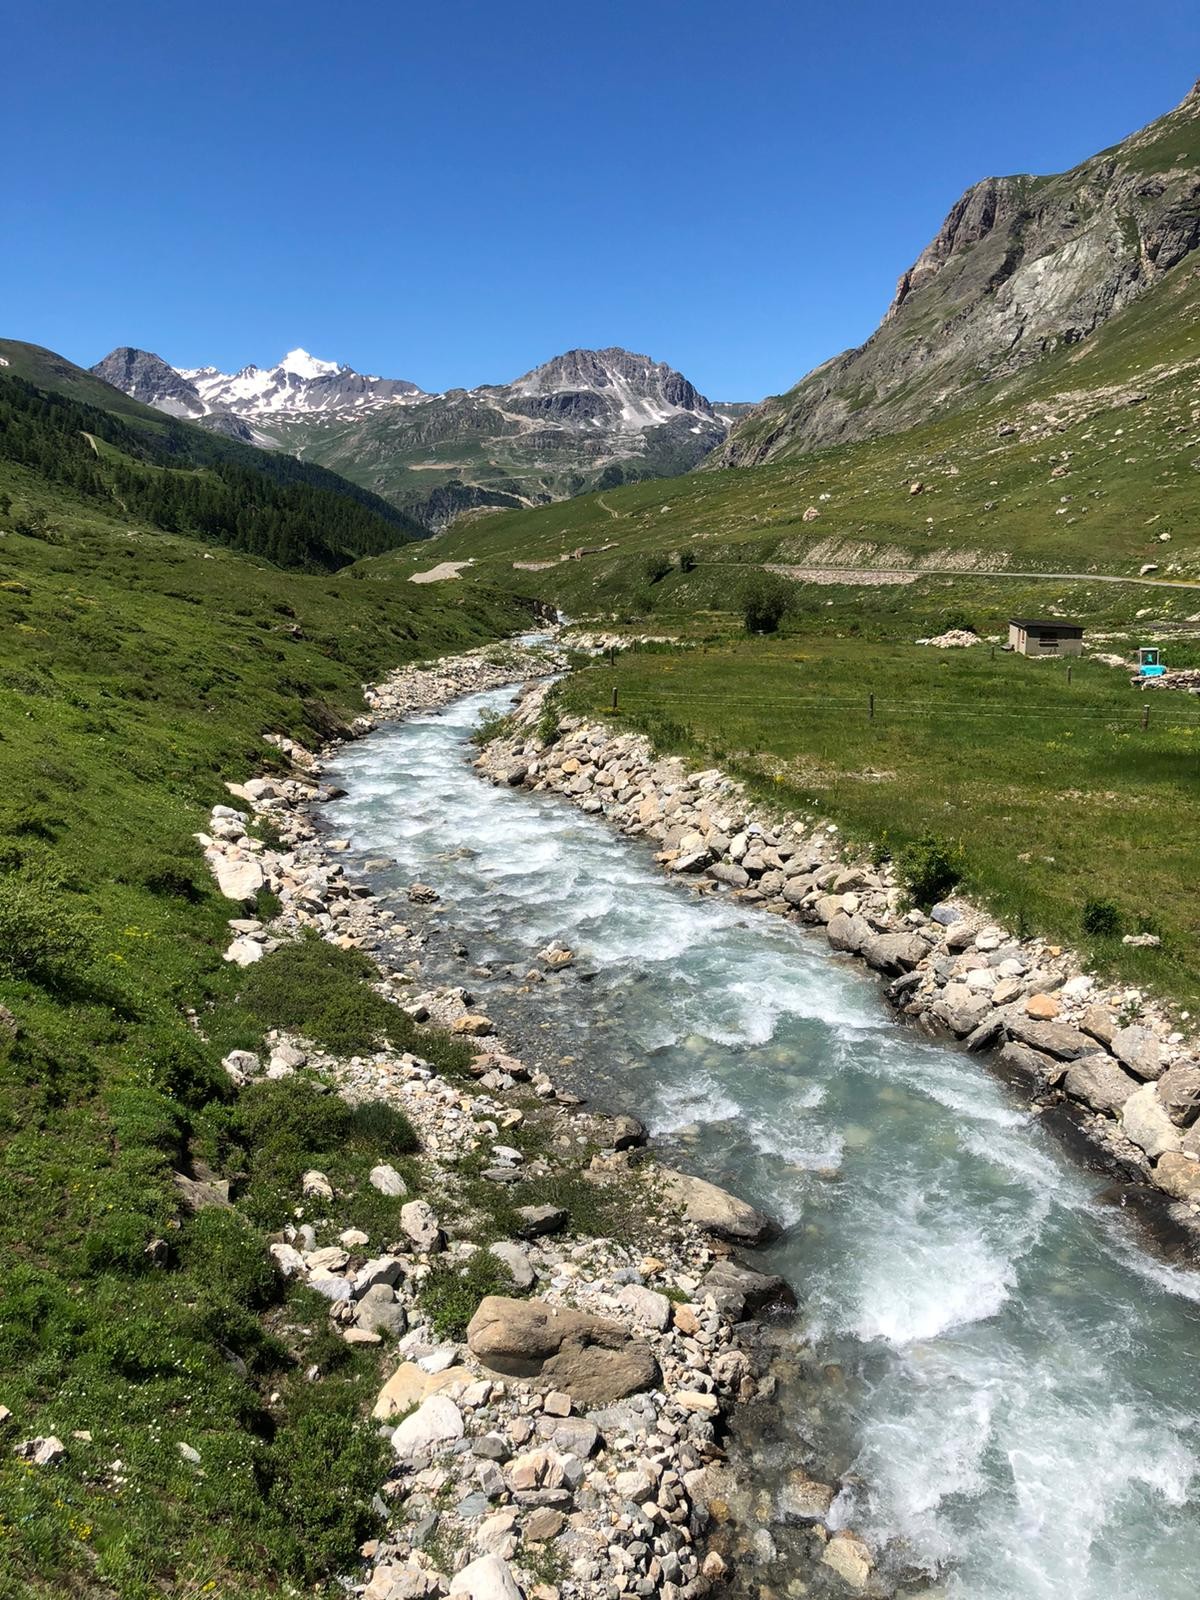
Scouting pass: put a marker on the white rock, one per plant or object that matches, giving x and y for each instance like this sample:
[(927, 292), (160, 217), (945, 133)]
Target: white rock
[(488, 1578), (382, 1269), (387, 1180), (647, 1306), (238, 878), (289, 1260), (419, 1223), (435, 1421), (330, 1285), (517, 1262), (316, 1185), (244, 952), (1145, 1121)]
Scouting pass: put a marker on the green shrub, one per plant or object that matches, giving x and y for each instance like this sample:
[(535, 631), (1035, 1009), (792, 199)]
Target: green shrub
[(656, 567), (325, 1469), (493, 725), (765, 600), (930, 868), (1101, 919), (228, 1259), (687, 559), (42, 936), (324, 993), (277, 1129), (956, 621), (144, 1117), (119, 1242), (166, 1055), (171, 874), (451, 1295)]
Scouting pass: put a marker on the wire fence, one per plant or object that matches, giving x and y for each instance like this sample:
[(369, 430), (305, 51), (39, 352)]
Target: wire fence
[(878, 707)]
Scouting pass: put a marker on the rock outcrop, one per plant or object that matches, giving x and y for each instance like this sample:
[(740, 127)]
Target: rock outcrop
[(1021, 267)]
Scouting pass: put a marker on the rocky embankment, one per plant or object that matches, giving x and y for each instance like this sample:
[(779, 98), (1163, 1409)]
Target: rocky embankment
[(570, 1444), (1108, 1057)]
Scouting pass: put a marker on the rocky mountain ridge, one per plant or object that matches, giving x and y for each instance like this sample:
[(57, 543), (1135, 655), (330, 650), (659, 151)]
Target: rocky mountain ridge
[(300, 382), (1021, 267), (586, 419)]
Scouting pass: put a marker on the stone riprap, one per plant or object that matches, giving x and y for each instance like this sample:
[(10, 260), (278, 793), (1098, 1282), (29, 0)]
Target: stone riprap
[(1111, 1055)]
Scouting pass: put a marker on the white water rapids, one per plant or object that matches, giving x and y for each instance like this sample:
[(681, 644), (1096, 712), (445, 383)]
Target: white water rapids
[(1019, 1409)]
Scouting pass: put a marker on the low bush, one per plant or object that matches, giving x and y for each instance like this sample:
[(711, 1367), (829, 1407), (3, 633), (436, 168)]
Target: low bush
[(317, 990), (42, 936), (225, 1256), (765, 599), (930, 868), (451, 1295), (277, 1129), (1101, 919)]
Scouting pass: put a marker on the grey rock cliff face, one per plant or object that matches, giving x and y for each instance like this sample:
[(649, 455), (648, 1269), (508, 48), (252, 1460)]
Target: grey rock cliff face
[(148, 378), (1021, 267)]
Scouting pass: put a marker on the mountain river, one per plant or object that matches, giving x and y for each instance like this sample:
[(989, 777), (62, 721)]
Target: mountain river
[(1010, 1380)]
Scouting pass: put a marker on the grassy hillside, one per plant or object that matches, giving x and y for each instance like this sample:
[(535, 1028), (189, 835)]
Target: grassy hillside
[(138, 670), (71, 428), (1083, 468)]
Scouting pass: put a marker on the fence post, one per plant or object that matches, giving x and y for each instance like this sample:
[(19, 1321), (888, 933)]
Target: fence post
[(614, 700), (1070, 670), (870, 708), (1145, 716)]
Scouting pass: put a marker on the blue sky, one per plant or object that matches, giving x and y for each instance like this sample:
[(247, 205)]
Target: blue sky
[(452, 192)]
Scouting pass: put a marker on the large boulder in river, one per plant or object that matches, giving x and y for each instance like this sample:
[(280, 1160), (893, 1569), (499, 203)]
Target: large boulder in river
[(739, 1292), (716, 1210), (596, 1361), (847, 932)]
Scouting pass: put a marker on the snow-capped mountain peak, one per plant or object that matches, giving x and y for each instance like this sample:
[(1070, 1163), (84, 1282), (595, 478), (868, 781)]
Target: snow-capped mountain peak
[(301, 365), (301, 382)]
